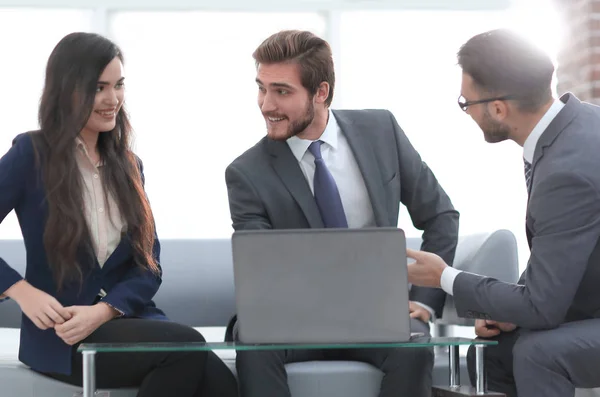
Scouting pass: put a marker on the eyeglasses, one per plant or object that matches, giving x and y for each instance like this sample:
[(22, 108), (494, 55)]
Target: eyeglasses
[(464, 104)]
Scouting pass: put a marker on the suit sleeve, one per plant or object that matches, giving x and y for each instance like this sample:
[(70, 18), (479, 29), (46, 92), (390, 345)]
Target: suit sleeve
[(15, 166), (565, 209), (246, 207), (430, 210), (139, 285)]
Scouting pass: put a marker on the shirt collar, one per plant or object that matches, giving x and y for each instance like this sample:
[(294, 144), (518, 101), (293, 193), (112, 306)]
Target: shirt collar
[(538, 130), (299, 146), (80, 145)]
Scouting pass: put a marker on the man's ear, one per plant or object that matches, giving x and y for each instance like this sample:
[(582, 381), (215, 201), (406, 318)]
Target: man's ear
[(499, 110), (322, 92)]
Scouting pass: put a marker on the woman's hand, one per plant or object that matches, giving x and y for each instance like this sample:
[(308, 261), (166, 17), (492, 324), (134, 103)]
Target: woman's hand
[(84, 320), (40, 307)]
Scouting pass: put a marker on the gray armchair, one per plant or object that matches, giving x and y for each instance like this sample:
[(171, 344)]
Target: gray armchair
[(491, 254)]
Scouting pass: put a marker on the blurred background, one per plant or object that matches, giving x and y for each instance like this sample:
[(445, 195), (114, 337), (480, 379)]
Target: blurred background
[(192, 96)]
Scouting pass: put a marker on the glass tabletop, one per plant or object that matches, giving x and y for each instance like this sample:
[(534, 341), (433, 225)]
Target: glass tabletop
[(418, 341)]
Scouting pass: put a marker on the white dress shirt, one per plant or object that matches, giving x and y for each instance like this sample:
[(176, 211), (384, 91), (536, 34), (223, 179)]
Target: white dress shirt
[(449, 274), (103, 217), (102, 213), (340, 161)]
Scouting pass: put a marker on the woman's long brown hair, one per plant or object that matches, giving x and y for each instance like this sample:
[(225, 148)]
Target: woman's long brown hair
[(72, 74)]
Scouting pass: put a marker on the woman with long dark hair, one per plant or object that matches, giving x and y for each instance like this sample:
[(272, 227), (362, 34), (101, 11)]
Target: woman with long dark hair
[(92, 251)]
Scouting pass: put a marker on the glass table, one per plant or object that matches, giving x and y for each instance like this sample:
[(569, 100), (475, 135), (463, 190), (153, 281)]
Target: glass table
[(89, 351)]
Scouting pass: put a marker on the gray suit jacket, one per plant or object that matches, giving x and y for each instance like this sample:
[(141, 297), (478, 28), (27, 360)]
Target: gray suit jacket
[(267, 189), (562, 280)]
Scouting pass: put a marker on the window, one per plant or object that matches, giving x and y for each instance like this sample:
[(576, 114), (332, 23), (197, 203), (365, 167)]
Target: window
[(192, 98)]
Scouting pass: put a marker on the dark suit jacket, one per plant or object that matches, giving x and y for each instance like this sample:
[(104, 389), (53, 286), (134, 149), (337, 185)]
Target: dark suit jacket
[(267, 189), (128, 288), (560, 283)]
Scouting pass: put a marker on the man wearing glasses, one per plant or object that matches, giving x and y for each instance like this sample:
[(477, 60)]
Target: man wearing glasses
[(547, 325)]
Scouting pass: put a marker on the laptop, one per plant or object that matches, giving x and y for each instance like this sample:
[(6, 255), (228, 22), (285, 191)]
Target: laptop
[(321, 286)]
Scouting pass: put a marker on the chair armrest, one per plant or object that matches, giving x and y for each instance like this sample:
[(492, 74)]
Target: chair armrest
[(490, 254)]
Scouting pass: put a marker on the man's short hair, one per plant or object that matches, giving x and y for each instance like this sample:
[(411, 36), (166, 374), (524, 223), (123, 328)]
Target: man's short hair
[(311, 53), (503, 63)]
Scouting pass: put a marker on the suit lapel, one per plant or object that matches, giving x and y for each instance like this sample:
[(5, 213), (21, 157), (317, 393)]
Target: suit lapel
[(367, 163), (560, 122), (287, 168)]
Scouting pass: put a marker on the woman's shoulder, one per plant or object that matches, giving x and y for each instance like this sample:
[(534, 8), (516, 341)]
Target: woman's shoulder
[(23, 149), (25, 140)]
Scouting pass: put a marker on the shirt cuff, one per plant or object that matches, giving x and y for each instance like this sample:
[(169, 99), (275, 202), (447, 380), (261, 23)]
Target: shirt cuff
[(429, 309), (447, 279), (119, 312)]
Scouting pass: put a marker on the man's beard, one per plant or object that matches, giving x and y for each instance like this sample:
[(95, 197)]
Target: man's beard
[(494, 131), (298, 126)]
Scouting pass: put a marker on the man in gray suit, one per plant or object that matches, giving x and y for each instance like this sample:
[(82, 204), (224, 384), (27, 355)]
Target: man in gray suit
[(547, 325), (345, 168)]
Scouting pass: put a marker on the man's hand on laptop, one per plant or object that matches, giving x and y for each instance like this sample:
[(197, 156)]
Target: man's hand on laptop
[(427, 270), (418, 311)]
